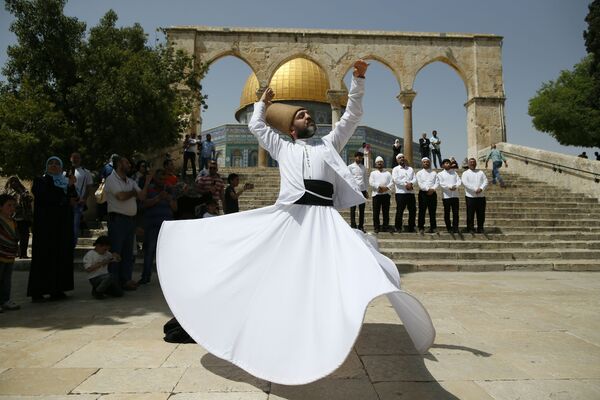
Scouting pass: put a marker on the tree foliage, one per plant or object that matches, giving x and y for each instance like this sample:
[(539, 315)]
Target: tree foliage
[(569, 107), (562, 108), (103, 92)]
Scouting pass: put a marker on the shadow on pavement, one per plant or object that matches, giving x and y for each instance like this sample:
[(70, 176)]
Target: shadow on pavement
[(389, 368)]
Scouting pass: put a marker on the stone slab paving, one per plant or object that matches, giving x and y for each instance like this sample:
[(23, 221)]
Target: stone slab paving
[(501, 336)]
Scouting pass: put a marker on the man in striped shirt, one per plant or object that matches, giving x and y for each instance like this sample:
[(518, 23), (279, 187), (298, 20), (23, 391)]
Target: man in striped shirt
[(210, 184)]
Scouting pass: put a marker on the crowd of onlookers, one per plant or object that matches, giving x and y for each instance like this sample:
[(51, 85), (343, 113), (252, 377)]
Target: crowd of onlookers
[(134, 202)]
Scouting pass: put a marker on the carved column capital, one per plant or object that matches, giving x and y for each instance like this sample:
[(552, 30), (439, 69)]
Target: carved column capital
[(335, 97), (406, 98)]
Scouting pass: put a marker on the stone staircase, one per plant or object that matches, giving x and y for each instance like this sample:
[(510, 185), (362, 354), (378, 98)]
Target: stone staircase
[(529, 226)]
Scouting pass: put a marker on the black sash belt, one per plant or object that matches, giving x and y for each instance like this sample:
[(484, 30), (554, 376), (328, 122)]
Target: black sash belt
[(320, 188)]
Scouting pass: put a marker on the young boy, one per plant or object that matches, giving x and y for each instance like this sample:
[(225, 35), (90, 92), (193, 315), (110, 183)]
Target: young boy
[(8, 250), (212, 209), (96, 263), (231, 203)]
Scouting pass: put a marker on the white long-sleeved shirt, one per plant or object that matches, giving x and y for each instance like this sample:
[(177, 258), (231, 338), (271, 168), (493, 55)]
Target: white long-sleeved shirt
[(379, 179), (427, 179), (473, 180), (291, 155), (359, 172), (448, 179), (401, 176)]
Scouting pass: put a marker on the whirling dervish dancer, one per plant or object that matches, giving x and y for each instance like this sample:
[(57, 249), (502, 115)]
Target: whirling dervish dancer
[(281, 291)]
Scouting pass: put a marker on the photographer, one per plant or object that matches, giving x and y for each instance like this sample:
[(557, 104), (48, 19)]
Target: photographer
[(159, 206), (231, 203)]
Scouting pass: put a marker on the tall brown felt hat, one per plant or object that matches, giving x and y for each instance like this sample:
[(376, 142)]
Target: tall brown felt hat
[(280, 116)]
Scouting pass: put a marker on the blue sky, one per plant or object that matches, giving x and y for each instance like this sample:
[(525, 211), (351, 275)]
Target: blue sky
[(541, 38)]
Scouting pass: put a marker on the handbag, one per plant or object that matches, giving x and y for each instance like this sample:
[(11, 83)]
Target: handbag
[(100, 193)]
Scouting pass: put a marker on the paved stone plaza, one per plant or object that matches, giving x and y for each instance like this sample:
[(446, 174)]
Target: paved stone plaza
[(501, 335)]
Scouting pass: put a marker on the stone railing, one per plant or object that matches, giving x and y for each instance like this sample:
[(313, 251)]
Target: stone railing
[(576, 174)]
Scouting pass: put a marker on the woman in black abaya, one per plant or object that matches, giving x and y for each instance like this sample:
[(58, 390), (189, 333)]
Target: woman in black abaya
[(52, 247)]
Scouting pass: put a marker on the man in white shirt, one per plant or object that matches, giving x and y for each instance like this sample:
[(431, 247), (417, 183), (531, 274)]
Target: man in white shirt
[(381, 186), (121, 194), (428, 183), (405, 180), (436, 152), (450, 182), (190, 148), (359, 172), (475, 183), (84, 183)]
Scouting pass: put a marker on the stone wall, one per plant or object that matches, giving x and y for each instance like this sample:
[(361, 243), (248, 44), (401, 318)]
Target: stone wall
[(556, 169)]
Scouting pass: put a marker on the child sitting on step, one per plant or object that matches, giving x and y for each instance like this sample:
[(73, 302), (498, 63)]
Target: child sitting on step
[(96, 263)]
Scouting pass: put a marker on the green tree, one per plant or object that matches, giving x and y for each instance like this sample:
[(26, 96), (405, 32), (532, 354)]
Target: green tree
[(592, 44), (562, 108), (104, 93), (129, 93), (569, 108)]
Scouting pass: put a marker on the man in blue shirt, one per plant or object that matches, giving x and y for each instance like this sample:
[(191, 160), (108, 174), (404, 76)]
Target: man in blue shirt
[(497, 158), (207, 153)]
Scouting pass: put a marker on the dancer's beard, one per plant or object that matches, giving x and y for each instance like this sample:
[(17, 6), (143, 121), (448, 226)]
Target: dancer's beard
[(307, 132)]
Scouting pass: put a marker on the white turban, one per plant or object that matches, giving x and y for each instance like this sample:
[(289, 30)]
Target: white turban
[(425, 159), (399, 155), (379, 158)]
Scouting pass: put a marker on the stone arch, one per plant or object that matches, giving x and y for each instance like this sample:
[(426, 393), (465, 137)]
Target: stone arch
[(453, 65), (214, 58), (274, 67), (477, 58), (350, 65)]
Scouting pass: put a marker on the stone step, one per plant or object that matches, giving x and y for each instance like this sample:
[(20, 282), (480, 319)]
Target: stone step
[(493, 214), (24, 265), (491, 235), (509, 200), (501, 265), (476, 243), (424, 253)]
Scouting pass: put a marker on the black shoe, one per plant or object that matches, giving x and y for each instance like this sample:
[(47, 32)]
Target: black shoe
[(376, 230), (97, 295), (455, 230), (472, 231), (57, 296), (479, 230), (353, 226), (361, 228), (143, 281)]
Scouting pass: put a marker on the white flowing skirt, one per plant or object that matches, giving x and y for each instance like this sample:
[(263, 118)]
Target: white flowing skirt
[(279, 291)]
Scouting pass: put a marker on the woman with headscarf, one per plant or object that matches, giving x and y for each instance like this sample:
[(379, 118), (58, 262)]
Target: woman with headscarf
[(23, 213), (397, 149), (51, 270)]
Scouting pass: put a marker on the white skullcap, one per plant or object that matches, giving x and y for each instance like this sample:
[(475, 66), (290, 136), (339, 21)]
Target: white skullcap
[(379, 158), (425, 159), (399, 155)]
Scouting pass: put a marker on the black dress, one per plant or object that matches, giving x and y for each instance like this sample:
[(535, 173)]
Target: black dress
[(396, 150), (52, 246)]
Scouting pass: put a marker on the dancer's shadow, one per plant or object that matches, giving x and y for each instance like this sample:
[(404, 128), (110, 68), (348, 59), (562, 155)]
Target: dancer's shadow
[(383, 365)]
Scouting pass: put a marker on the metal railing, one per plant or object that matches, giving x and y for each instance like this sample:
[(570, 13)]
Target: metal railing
[(555, 166)]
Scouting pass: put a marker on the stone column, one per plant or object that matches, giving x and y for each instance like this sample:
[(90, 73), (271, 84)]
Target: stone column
[(335, 98), (485, 123), (263, 157), (406, 98)]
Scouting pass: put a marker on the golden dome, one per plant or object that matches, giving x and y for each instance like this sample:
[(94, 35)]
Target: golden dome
[(298, 79)]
